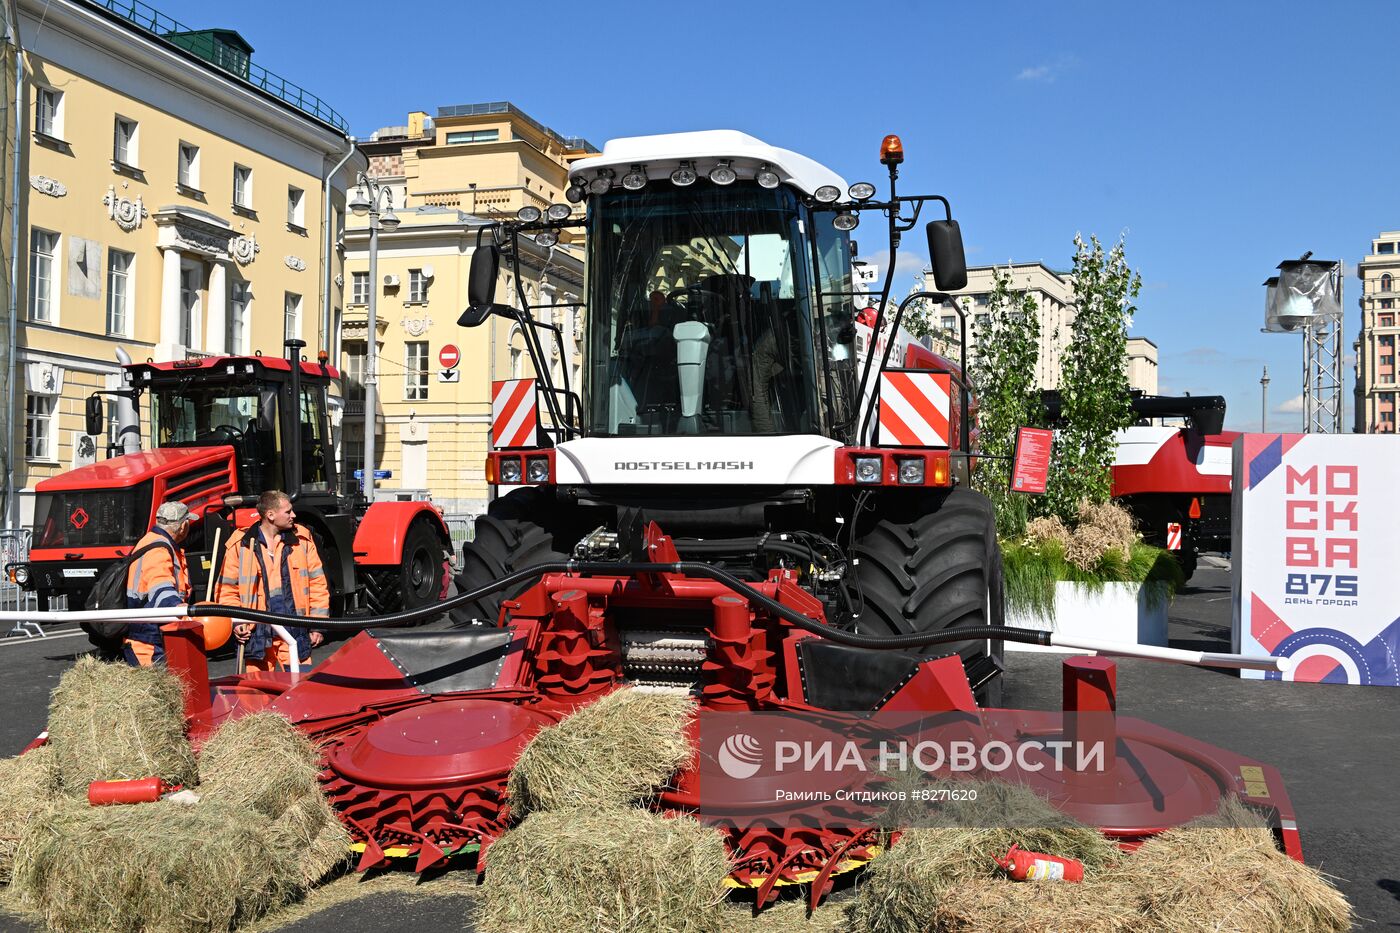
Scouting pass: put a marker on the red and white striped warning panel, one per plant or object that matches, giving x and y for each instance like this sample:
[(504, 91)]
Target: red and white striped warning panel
[(1173, 536), (514, 419), (914, 408)]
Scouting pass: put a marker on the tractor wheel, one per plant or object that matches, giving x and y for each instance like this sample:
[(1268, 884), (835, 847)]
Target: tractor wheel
[(518, 530), (417, 580), (935, 565)]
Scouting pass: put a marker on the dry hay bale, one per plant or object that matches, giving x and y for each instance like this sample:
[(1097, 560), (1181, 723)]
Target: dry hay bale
[(610, 753), (156, 867), (623, 870), (1048, 528), (111, 722), (1112, 520), (259, 761), (959, 841), (997, 905), (1224, 873), (26, 788)]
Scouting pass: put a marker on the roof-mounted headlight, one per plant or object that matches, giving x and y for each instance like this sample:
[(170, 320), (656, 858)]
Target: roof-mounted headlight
[(845, 221), (575, 194), (547, 237), (685, 175), (862, 191), (723, 174), (827, 194), (766, 177), (529, 213), (603, 182), (557, 212), (636, 179)]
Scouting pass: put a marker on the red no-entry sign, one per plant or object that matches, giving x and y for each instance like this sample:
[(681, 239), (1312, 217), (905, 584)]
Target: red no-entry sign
[(449, 356)]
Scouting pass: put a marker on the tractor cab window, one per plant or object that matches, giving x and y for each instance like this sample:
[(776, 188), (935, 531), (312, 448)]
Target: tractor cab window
[(314, 444), (702, 321), (838, 318), (188, 414)]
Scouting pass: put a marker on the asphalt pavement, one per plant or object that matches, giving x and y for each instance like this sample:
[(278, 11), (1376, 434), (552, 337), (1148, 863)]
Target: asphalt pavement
[(1338, 749)]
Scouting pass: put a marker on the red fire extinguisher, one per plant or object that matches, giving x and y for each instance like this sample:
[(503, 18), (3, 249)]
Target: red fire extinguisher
[(143, 790), (1037, 866)]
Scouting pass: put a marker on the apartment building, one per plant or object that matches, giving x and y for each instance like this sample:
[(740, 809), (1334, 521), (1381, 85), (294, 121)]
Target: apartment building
[(1376, 384), (449, 176), (177, 193)]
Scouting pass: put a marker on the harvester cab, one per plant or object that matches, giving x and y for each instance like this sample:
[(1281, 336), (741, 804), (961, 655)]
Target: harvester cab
[(735, 391)]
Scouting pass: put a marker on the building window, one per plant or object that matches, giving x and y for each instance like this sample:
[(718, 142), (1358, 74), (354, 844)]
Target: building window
[(189, 167), (296, 207), (417, 286), (473, 136), (119, 291), (43, 253), (1385, 247), (291, 317), (240, 303), (48, 112), (356, 353), (1386, 320), (243, 187), (415, 376), (950, 323), (1386, 282), (124, 142), (38, 427), (190, 282), (981, 300), (359, 288), (1387, 303)]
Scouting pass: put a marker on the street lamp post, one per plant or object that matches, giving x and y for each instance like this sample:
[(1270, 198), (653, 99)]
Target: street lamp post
[(364, 201), (1264, 402)]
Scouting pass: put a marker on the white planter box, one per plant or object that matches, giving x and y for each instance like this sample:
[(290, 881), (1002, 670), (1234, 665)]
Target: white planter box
[(1124, 612)]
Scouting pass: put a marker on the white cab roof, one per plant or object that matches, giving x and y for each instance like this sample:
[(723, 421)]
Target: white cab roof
[(663, 154)]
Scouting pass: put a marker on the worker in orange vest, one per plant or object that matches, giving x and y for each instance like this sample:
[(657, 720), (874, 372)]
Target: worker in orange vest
[(274, 566), (156, 579)]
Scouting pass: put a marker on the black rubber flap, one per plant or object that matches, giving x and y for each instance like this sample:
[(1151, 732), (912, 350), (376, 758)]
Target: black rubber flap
[(841, 677), (446, 662)]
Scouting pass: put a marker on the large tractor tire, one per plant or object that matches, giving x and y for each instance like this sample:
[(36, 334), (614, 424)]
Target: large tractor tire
[(934, 564), (519, 529), (419, 578)]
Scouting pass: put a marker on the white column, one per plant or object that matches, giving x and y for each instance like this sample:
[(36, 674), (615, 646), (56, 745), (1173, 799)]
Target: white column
[(214, 320), (170, 300)]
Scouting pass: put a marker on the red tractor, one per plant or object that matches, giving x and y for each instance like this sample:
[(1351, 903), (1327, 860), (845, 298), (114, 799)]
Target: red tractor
[(222, 429)]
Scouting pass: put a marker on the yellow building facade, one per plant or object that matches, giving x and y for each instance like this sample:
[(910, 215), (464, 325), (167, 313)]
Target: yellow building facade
[(175, 208), (449, 177)]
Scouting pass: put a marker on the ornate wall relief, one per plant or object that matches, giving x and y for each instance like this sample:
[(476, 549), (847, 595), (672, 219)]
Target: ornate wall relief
[(127, 212), (294, 263), (244, 249), (50, 186), (416, 327)]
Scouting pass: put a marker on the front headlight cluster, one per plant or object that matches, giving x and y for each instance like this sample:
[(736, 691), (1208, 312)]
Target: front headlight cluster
[(537, 469), (868, 469), (510, 471)]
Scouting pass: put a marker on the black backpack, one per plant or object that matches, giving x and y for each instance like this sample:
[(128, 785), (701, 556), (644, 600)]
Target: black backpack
[(109, 592)]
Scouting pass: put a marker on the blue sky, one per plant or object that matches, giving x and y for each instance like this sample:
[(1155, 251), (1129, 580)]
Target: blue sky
[(1220, 138)]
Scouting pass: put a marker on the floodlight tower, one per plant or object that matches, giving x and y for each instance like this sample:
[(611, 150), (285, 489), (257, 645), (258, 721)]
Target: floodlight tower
[(1306, 298)]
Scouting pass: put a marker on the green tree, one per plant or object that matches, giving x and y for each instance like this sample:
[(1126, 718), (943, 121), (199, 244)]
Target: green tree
[(1008, 397), (1094, 401)]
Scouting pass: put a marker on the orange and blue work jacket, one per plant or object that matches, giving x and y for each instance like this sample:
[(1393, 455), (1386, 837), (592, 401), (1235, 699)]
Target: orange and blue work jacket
[(156, 579), (283, 576)]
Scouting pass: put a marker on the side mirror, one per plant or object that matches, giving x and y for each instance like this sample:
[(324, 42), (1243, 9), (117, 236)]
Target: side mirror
[(475, 315), (95, 417), (945, 250), (481, 279)]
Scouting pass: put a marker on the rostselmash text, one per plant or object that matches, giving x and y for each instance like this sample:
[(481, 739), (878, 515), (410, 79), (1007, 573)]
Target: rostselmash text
[(683, 465)]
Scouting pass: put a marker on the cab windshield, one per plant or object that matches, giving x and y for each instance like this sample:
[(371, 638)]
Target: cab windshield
[(699, 315)]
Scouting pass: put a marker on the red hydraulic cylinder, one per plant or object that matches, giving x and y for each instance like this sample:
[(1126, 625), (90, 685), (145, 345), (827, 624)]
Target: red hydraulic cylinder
[(1090, 707)]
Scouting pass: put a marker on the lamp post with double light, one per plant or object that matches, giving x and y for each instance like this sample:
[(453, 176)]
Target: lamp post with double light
[(376, 202)]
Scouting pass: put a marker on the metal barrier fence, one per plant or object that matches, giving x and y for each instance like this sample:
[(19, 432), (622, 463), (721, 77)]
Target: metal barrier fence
[(14, 548), (460, 526)]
